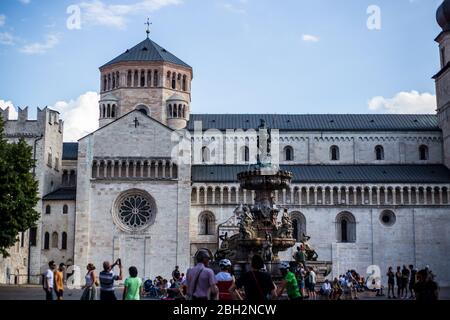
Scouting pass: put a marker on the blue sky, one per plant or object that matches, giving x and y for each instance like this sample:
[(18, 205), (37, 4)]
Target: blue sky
[(248, 56)]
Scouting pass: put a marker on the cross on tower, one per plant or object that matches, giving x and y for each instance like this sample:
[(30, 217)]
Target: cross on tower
[(148, 23)]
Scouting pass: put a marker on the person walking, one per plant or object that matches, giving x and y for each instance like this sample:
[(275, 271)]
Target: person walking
[(391, 283), (405, 281), (200, 280), (133, 286), (412, 281), (312, 283), (48, 280), (399, 281), (257, 284), (107, 278), (91, 283), (289, 283), (225, 280), (59, 281)]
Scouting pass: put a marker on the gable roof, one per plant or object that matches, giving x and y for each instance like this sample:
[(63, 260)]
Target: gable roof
[(62, 194), (147, 50), (334, 173), (126, 114), (319, 122)]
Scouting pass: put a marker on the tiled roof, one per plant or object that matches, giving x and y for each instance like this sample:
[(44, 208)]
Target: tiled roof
[(319, 122), (147, 50), (70, 151), (62, 194), (334, 173)]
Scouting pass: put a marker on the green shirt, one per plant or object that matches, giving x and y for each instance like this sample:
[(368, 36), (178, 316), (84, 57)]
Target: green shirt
[(133, 286), (292, 286), (300, 256)]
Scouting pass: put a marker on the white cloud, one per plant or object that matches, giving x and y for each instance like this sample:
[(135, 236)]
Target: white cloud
[(80, 116), (2, 19), (41, 47), (234, 9), (12, 110), (6, 38), (406, 103), (310, 38), (96, 12)]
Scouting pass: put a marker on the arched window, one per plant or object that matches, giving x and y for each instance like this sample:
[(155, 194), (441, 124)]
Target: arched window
[(169, 111), (299, 225), (109, 81), (64, 241), (155, 79), (334, 153), (33, 236), (104, 83), (346, 227), (174, 80), (142, 108), (48, 209), (108, 113), (175, 111), (65, 209), (149, 78), (46, 241), (245, 154), (113, 111), (379, 153), (206, 155), (117, 79), (136, 78), (423, 152), (207, 223), (104, 111), (129, 78), (55, 240), (113, 80), (184, 83), (184, 111), (288, 154), (142, 78)]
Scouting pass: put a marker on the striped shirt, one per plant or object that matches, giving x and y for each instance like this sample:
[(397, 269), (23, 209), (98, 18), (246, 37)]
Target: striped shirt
[(107, 279)]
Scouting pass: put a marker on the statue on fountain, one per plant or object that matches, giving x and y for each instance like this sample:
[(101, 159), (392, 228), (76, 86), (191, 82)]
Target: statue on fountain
[(311, 254)]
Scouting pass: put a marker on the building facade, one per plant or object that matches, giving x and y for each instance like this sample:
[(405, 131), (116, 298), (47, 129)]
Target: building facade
[(156, 183)]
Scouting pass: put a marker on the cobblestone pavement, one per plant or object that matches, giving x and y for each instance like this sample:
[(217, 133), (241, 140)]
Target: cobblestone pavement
[(36, 293)]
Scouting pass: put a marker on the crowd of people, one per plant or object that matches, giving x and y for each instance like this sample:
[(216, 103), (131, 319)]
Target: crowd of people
[(298, 281), (412, 283)]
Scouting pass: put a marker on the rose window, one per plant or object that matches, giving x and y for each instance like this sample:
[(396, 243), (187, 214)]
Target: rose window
[(135, 210)]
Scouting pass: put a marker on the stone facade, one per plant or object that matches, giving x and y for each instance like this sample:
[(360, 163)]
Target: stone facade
[(136, 197)]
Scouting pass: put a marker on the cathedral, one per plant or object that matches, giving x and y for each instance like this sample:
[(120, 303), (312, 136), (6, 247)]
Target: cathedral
[(157, 182)]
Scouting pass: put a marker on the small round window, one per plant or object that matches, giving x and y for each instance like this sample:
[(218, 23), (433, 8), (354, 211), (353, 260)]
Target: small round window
[(387, 218)]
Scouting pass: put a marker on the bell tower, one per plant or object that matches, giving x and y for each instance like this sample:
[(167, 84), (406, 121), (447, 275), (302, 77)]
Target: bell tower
[(147, 78), (442, 78)]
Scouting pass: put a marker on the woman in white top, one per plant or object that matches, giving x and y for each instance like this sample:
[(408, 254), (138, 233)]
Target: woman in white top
[(225, 280), (90, 288)]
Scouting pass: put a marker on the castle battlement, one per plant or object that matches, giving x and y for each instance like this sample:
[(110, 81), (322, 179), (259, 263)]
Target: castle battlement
[(47, 120)]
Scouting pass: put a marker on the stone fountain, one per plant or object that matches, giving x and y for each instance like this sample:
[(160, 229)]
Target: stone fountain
[(260, 231)]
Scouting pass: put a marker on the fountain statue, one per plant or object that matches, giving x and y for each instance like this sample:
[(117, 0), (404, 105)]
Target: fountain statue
[(259, 229), (260, 232)]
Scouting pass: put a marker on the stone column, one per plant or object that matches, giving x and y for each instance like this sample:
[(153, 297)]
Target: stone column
[(370, 196), (156, 169), (98, 170), (127, 169), (113, 163), (198, 196), (331, 196), (164, 169)]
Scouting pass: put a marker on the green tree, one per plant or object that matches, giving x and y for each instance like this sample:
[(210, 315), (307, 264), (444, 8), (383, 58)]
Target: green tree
[(18, 191)]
